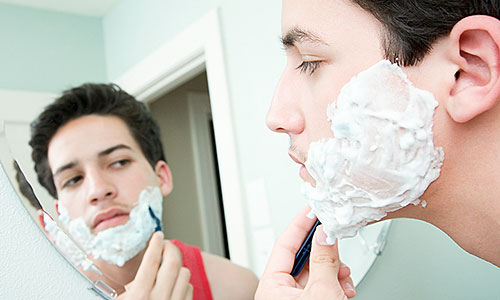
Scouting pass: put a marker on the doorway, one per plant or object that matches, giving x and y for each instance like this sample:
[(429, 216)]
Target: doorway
[(193, 212)]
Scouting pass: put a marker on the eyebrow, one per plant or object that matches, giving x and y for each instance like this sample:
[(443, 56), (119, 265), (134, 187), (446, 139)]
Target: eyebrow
[(114, 148), (100, 154), (298, 35)]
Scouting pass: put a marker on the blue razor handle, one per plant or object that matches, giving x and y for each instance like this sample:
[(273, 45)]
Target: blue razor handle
[(305, 250), (158, 223)]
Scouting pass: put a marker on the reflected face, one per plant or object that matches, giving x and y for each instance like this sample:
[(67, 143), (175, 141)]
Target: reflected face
[(99, 170), (327, 42)]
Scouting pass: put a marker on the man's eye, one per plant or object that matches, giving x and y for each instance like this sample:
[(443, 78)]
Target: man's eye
[(309, 66), (120, 163), (72, 181)]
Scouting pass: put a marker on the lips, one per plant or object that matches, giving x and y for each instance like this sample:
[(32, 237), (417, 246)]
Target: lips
[(303, 172), (295, 159), (109, 218)]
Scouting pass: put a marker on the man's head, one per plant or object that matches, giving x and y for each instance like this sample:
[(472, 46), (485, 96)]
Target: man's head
[(95, 149), (93, 99), (440, 46)]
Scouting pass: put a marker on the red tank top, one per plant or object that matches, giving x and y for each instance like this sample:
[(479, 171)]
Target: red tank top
[(194, 262)]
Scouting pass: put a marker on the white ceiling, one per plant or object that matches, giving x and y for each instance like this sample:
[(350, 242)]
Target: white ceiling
[(96, 8)]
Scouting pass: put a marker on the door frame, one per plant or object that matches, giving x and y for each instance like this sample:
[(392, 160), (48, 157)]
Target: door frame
[(200, 117), (199, 47)]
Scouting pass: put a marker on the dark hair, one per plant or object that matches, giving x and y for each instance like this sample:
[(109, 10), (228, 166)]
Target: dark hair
[(410, 27), (92, 99)]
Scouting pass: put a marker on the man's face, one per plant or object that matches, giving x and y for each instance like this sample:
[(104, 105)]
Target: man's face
[(99, 170), (327, 42)]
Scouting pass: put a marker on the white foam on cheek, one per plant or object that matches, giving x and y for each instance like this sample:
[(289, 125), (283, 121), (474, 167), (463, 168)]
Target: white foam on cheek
[(382, 156), (67, 247), (118, 244)]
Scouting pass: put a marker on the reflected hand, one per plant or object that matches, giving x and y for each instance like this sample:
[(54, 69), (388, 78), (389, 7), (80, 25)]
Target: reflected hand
[(160, 275), (326, 277)]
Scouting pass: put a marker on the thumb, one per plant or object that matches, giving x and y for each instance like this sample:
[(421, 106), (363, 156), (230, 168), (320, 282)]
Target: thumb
[(324, 265)]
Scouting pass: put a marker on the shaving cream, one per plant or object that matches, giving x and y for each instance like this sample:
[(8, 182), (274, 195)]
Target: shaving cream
[(116, 245), (382, 155), (66, 246)]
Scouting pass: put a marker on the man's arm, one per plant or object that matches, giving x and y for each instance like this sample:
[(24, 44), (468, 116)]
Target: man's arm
[(227, 280)]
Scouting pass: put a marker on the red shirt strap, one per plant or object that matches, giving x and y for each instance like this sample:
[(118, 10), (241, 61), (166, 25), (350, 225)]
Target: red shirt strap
[(191, 256)]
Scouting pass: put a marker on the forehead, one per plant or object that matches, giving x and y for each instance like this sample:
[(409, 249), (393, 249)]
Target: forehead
[(335, 21), (86, 136)]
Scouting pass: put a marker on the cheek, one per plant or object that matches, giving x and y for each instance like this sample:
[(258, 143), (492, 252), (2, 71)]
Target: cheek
[(72, 205), (137, 180), (325, 85), (323, 91)]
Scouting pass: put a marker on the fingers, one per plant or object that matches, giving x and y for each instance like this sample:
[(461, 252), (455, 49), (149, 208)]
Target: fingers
[(344, 271), (182, 285), (161, 274), (288, 243), (146, 274), (324, 266), (348, 287), (346, 281), (168, 273), (189, 294)]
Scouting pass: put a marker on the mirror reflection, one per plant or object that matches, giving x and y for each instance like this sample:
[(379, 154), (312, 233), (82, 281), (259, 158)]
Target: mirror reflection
[(98, 153)]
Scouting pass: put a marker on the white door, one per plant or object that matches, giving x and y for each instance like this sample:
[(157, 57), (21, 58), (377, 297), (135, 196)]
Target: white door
[(207, 181)]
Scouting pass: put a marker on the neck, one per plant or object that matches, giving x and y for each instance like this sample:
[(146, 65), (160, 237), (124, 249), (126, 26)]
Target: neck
[(467, 209), (475, 225)]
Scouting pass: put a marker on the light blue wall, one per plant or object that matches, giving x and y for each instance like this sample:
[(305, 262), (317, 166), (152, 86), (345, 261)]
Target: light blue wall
[(133, 29), (48, 51)]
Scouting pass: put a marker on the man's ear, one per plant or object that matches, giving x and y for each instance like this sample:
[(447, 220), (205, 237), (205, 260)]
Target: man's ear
[(56, 203), (41, 220), (477, 84), (165, 176)]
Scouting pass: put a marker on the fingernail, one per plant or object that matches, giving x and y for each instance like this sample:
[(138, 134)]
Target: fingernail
[(321, 236), (349, 287)]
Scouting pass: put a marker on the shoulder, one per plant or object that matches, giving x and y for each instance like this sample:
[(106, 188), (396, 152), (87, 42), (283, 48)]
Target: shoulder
[(228, 280)]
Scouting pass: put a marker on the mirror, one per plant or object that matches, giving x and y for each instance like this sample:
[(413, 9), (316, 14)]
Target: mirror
[(55, 233), (360, 252), (207, 233)]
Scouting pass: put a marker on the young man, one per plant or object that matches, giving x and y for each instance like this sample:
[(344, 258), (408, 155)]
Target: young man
[(448, 48), (97, 151)]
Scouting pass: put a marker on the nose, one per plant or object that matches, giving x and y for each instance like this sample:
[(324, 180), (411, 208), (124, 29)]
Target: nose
[(285, 114), (99, 187)]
